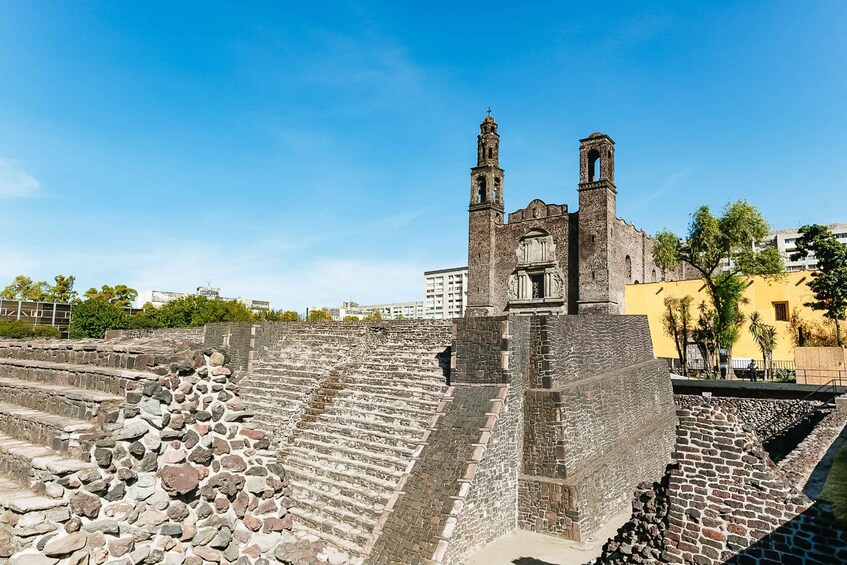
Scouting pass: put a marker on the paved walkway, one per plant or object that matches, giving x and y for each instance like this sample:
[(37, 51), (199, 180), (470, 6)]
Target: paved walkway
[(529, 548)]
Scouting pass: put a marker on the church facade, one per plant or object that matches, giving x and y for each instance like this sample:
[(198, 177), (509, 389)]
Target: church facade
[(546, 259)]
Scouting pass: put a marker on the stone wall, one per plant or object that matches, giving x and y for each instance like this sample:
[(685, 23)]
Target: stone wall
[(768, 417), (178, 477), (730, 503), (601, 422), (190, 335), (236, 338)]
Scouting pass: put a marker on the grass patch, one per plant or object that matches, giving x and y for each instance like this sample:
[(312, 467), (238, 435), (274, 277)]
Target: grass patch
[(835, 489)]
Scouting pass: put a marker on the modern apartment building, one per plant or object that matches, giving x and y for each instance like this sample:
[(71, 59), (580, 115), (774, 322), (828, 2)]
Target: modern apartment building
[(445, 293), (785, 242), (391, 311)]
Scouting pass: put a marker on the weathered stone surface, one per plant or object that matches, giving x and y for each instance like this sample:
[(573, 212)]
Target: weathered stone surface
[(85, 504), (131, 430), (63, 546), (121, 546), (179, 479)]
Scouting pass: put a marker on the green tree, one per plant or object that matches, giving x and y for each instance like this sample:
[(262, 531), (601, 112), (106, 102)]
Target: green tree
[(374, 316), (765, 337), (666, 252), (119, 295), (276, 316), (23, 288), (677, 325), (92, 317), (62, 290), (705, 336), (350, 318), (712, 240), (320, 315), (289, 316), (147, 317), (196, 310), (829, 282)]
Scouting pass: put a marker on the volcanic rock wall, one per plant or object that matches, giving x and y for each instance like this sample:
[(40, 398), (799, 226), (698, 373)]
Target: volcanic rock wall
[(177, 477)]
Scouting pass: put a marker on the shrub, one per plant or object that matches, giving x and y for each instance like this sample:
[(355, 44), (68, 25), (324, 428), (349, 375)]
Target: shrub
[(18, 329)]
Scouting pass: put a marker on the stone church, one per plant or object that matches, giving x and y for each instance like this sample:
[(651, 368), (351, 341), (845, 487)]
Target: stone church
[(546, 259)]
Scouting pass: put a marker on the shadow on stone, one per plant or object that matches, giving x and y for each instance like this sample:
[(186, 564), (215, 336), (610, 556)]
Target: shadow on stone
[(530, 561)]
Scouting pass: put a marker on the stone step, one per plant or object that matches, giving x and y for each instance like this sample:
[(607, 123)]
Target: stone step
[(44, 429), (397, 435), (338, 493), (354, 412), (413, 408), (90, 377), (353, 454), (353, 550), (21, 500), (357, 406), (340, 420), (307, 372), (370, 476), (356, 539), (353, 442), (434, 380), (305, 458), (254, 386), (119, 355), (357, 519), (27, 462), (390, 390), (261, 376), (61, 400)]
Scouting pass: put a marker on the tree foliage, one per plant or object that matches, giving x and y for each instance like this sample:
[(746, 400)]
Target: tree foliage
[(677, 325), (319, 315), (374, 316), (809, 333), (196, 310), (765, 337), (119, 295), (23, 288), (829, 283), (666, 252), (276, 316), (62, 290), (731, 236), (92, 317)]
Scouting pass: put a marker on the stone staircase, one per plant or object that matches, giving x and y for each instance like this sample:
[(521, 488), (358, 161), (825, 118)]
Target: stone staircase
[(56, 399), (360, 430), (296, 366)]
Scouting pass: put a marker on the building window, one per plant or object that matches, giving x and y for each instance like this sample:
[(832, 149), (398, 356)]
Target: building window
[(780, 311), (537, 282)]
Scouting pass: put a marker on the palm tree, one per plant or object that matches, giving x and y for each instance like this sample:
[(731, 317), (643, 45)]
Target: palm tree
[(765, 337)]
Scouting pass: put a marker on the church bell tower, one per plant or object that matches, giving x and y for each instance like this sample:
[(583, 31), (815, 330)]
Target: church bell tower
[(485, 214)]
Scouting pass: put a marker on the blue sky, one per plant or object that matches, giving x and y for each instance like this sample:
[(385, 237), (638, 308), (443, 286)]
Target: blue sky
[(316, 153)]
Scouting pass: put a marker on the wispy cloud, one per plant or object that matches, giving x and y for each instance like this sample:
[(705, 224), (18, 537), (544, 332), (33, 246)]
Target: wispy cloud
[(15, 182), (670, 183)]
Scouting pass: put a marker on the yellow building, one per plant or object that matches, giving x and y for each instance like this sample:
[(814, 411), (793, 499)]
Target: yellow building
[(774, 299)]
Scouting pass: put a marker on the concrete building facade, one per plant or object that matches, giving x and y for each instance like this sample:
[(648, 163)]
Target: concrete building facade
[(160, 297), (445, 293), (389, 311), (546, 259)]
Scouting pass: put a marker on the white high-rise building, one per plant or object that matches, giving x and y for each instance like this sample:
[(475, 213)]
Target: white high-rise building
[(785, 241), (445, 293)]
